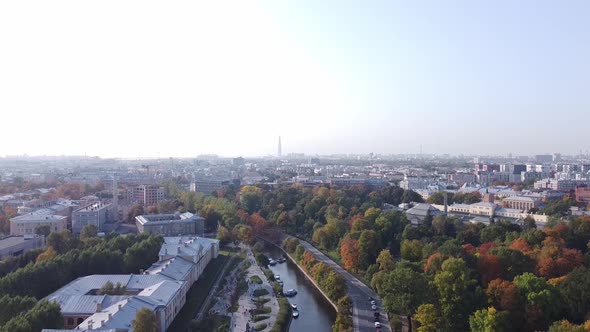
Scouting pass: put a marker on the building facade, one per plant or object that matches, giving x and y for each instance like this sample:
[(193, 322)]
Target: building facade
[(27, 223), (94, 214), (583, 195), (170, 224), (18, 245), (148, 194), (520, 203)]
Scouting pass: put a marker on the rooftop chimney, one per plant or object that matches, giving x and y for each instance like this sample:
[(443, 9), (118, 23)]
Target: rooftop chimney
[(98, 307)]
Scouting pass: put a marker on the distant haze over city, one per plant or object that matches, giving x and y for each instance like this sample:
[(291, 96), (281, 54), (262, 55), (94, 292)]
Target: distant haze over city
[(147, 79)]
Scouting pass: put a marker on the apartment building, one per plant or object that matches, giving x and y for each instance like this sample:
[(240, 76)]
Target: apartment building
[(148, 194), (94, 214)]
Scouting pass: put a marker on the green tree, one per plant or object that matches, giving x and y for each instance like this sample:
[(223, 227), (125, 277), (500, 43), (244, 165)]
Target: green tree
[(368, 248), (541, 299), (12, 306), (489, 320), (575, 292), (412, 250), (223, 235), (44, 315), (428, 317), (404, 290), (251, 198), (44, 230), (89, 231), (145, 321), (458, 294)]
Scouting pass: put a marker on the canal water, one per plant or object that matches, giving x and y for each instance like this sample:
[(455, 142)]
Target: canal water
[(316, 314)]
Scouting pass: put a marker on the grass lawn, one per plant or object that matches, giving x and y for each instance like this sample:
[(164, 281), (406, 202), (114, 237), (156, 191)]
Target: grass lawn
[(198, 293), (260, 292), (256, 279)]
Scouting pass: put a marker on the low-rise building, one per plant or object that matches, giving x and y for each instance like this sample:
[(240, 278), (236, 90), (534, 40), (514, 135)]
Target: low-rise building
[(17, 245), (418, 214), (520, 203), (170, 224), (27, 223), (162, 289)]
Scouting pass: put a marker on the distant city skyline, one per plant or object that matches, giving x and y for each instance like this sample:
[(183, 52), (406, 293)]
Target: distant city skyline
[(147, 79)]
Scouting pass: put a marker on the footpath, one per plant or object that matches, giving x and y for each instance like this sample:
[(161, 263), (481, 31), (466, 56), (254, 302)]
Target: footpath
[(243, 319)]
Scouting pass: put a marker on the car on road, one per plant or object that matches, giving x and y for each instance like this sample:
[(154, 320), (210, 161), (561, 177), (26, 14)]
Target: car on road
[(376, 318), (290, 292), (277, 277), (371, 298), (373, 302), (374, 307), (376, 314), (377, 325)]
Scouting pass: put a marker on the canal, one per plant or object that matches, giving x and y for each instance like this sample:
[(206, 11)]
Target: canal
[(316, 314)]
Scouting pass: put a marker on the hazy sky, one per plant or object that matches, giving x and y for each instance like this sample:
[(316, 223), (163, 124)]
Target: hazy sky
[(181, 78)]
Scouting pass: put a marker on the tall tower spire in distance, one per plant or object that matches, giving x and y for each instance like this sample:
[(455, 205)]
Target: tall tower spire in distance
[(280, 152)]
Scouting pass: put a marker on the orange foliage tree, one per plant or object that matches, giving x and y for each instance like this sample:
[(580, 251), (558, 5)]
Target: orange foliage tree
[(349, 251), (521, 245), (489, 268), (503, 295)]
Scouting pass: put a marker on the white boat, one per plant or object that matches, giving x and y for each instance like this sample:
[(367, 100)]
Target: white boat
[(295, 314), (290, 292)]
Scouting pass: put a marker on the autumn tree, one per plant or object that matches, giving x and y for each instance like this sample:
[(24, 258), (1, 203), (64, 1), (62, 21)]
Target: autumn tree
[(223, 235), (48, 254), (385, 260), (349, 251), (503, 294), (145, 321), (489, 268)]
